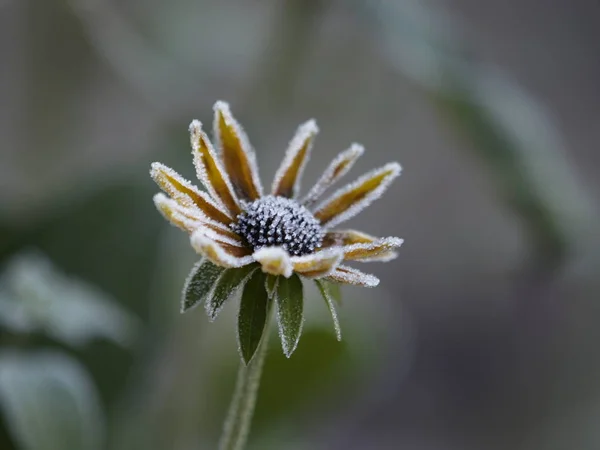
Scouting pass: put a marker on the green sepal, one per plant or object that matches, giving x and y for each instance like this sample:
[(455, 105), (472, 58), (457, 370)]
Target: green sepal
[(271, 285), (252, 317), (290, 302), (326, 291), (199, 283), (227, 284)]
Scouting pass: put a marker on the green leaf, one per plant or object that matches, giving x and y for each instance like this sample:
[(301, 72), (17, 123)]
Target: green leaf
[(199, 283), (335, 290), (290, 300), (252, 317), (271, 285), (49, 402), (227, 284), (326, 291)]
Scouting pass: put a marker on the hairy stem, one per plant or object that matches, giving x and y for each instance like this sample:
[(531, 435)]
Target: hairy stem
[(241, 409)]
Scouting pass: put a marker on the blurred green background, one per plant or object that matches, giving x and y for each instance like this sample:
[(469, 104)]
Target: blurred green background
[(483, 333)]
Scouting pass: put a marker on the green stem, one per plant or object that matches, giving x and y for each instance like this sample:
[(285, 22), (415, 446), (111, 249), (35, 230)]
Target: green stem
[(241, 409)]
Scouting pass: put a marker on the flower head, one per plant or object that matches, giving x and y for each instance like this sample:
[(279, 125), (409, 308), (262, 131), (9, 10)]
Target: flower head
[(237, 229)]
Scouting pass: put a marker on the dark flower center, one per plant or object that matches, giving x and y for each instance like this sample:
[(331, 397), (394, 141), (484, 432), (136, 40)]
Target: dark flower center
[(279, 221)]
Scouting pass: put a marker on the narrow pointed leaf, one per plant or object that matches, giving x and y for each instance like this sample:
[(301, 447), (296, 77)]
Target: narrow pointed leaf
[(335, 291), (290, 300), (325, 289), (271, 285), (228, 283), (199, 283), (252, 317)]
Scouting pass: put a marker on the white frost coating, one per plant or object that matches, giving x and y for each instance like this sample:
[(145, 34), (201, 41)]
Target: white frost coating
[(196, 135), (156, 172), (349, 275), (322, 262), (215, 253), (378, 250), (223, 108), (306, 132), (287, 348), (167, 208), (394, 170), (274, 260), (332, 174), (193, 219)]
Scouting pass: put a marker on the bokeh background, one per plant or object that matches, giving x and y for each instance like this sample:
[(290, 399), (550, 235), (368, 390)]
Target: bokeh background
[(482, 335)]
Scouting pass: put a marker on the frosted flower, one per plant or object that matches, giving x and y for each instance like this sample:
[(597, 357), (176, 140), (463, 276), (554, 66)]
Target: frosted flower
[(237, 229)]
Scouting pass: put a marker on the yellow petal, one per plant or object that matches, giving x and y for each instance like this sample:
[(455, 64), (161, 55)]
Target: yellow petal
[(210, 171), (187, 194), (274, 260), (348, 275), (217, 253), (346, 237), (237, 154), (190, 220), (318, 264), (349, 201), (287, 178), (336, 169), (379, 250)]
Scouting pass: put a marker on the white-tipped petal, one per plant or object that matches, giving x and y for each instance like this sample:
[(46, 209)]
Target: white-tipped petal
[(274, 260), (210, 171), (318, 264), (350, 200), (186, 194), (236, 153), (336, 170), (288, 176), (217, 253), (379, 250), (349, 275)]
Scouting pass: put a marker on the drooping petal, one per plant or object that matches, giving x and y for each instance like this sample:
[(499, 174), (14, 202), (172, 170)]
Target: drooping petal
[(186, 194), (318, 264), (288, 176), (378, 250), (210, 171), (336, 170), (349, 275), (236, 153), (190, 220), (350, 200), (217, 253), (274, 260)]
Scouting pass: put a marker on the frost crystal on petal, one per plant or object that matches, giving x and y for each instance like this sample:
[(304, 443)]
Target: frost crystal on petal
[(236, 153), (274, 260), (348, 275), (288, 176), (350, 200), (216, 253), (378, 250), (319, 264), (336, 170)]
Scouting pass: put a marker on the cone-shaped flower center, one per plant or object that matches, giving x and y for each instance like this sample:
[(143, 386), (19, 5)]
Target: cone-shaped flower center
[(279, 221)]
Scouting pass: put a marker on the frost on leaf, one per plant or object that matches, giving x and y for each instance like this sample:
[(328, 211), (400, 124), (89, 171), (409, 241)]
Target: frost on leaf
[(199, 283), (210, 171), (336, 170), (350, 200), (349, 275), (290, 302), (253, 315), (288, 176), (328, 296), (228, 283), (236, 153)]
